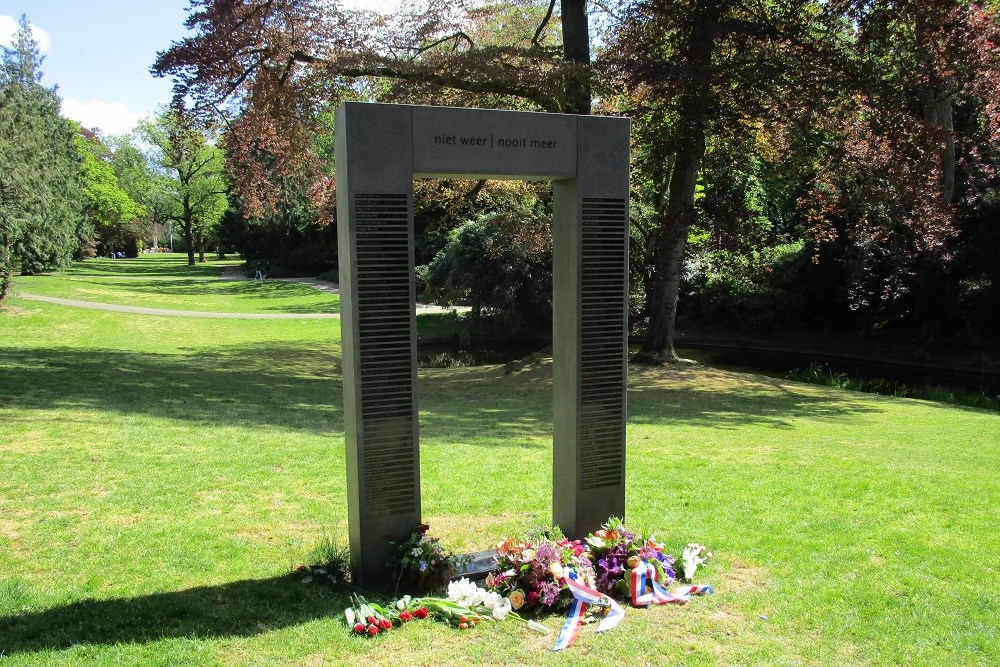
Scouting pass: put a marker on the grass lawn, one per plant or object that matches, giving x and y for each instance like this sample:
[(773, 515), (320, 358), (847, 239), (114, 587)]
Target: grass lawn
[(160, 477), (165, 281)]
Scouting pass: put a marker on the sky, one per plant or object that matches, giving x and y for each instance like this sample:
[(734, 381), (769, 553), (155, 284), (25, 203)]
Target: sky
[(98, 53)]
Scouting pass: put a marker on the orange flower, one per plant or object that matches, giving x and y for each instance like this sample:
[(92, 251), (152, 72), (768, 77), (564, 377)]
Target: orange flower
[(517, 599)]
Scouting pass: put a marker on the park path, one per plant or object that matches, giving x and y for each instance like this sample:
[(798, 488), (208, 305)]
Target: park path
[(229, 273)]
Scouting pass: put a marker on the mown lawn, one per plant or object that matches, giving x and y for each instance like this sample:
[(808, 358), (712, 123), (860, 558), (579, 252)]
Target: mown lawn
[(160, 477), (166, 282)]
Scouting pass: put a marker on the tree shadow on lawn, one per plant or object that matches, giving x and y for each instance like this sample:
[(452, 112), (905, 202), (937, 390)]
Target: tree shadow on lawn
[(236, 609), (470, 399), (285, 385), (298, 387), (255, 290), (148, 265), (704, 396)]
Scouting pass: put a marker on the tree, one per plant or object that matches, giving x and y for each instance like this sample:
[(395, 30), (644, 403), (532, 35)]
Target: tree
[(197, 188), (40, 221), (139, 176), (270, 66), (114, 214), (703, 70), (888, 194)]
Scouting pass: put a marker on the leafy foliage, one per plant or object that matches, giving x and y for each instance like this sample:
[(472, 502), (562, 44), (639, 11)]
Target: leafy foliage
[(500, 264), (40, 222), (115, 216), (196, 188)]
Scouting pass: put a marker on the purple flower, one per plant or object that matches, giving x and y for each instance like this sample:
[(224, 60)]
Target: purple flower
[(545, 555), (604, 584), (549, 592)]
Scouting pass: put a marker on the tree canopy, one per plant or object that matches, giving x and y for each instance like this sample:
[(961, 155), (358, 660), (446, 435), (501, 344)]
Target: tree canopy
[(196, 190), (40, 221)]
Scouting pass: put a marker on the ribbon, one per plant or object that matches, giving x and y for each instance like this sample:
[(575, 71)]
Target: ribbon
[(645, 575), (583, 596)]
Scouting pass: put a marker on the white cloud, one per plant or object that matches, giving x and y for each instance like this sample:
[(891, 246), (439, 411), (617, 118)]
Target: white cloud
[(8, 26), (113, 118)]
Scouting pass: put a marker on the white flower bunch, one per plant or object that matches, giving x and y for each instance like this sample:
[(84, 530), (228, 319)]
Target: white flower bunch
[(692, 558), (467, 594)]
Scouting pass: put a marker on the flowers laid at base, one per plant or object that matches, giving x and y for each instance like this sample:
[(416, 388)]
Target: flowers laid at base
[(544, 571), (421, 563)]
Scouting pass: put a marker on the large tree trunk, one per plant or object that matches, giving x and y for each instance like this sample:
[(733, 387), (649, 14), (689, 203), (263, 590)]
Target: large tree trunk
[(576, 48), (189, 240), (6, 271), (671, 237), (936, 102), (937, 111), (668, 249), (6, 281)]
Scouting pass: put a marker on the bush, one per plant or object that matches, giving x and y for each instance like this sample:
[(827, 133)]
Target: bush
[(311, 258), (776, 286), (499, 264)]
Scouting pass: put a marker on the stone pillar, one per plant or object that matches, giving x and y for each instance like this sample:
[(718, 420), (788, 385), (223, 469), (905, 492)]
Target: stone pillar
[(377, 295), (590, 312)]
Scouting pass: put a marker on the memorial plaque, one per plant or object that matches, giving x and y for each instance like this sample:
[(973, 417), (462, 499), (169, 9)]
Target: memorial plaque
[(380, 149)]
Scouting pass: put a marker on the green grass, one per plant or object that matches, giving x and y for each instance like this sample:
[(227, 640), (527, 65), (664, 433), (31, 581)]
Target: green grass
[(160, 477), (822, 374), (166, 282)]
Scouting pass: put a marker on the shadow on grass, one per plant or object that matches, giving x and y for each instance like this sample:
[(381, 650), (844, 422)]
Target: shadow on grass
[(172, 264), (236, 609), (257, 291), (284, 385), (298, 387)]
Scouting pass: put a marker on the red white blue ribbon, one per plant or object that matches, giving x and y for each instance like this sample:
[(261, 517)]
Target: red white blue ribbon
[(583, 596), (647, 589)]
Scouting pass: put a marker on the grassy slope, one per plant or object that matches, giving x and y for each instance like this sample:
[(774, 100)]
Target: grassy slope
[(160, 476), (165, 281)]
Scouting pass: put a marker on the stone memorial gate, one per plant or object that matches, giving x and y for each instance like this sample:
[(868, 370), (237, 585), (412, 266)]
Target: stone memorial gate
[(380, 149)]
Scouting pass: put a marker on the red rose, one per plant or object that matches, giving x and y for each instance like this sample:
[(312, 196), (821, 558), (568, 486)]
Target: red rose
[(463, 625), (463, 619), (359, 628), (532, 597), (371, 620), (372, 630), (405, 616), (385, 623), (421, 613)]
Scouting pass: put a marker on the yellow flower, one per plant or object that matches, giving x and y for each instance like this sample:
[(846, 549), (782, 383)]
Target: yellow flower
[(517, 599)]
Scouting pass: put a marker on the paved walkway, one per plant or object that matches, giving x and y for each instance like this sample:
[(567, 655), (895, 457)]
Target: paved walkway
[(229, 273)]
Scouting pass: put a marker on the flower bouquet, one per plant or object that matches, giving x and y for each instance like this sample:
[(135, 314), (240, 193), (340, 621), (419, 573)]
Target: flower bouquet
[(422, 564), (617, 551), (465, 607), (530, 571)]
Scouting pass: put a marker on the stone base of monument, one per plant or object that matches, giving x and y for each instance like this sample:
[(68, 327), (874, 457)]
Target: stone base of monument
[(476, 565)]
